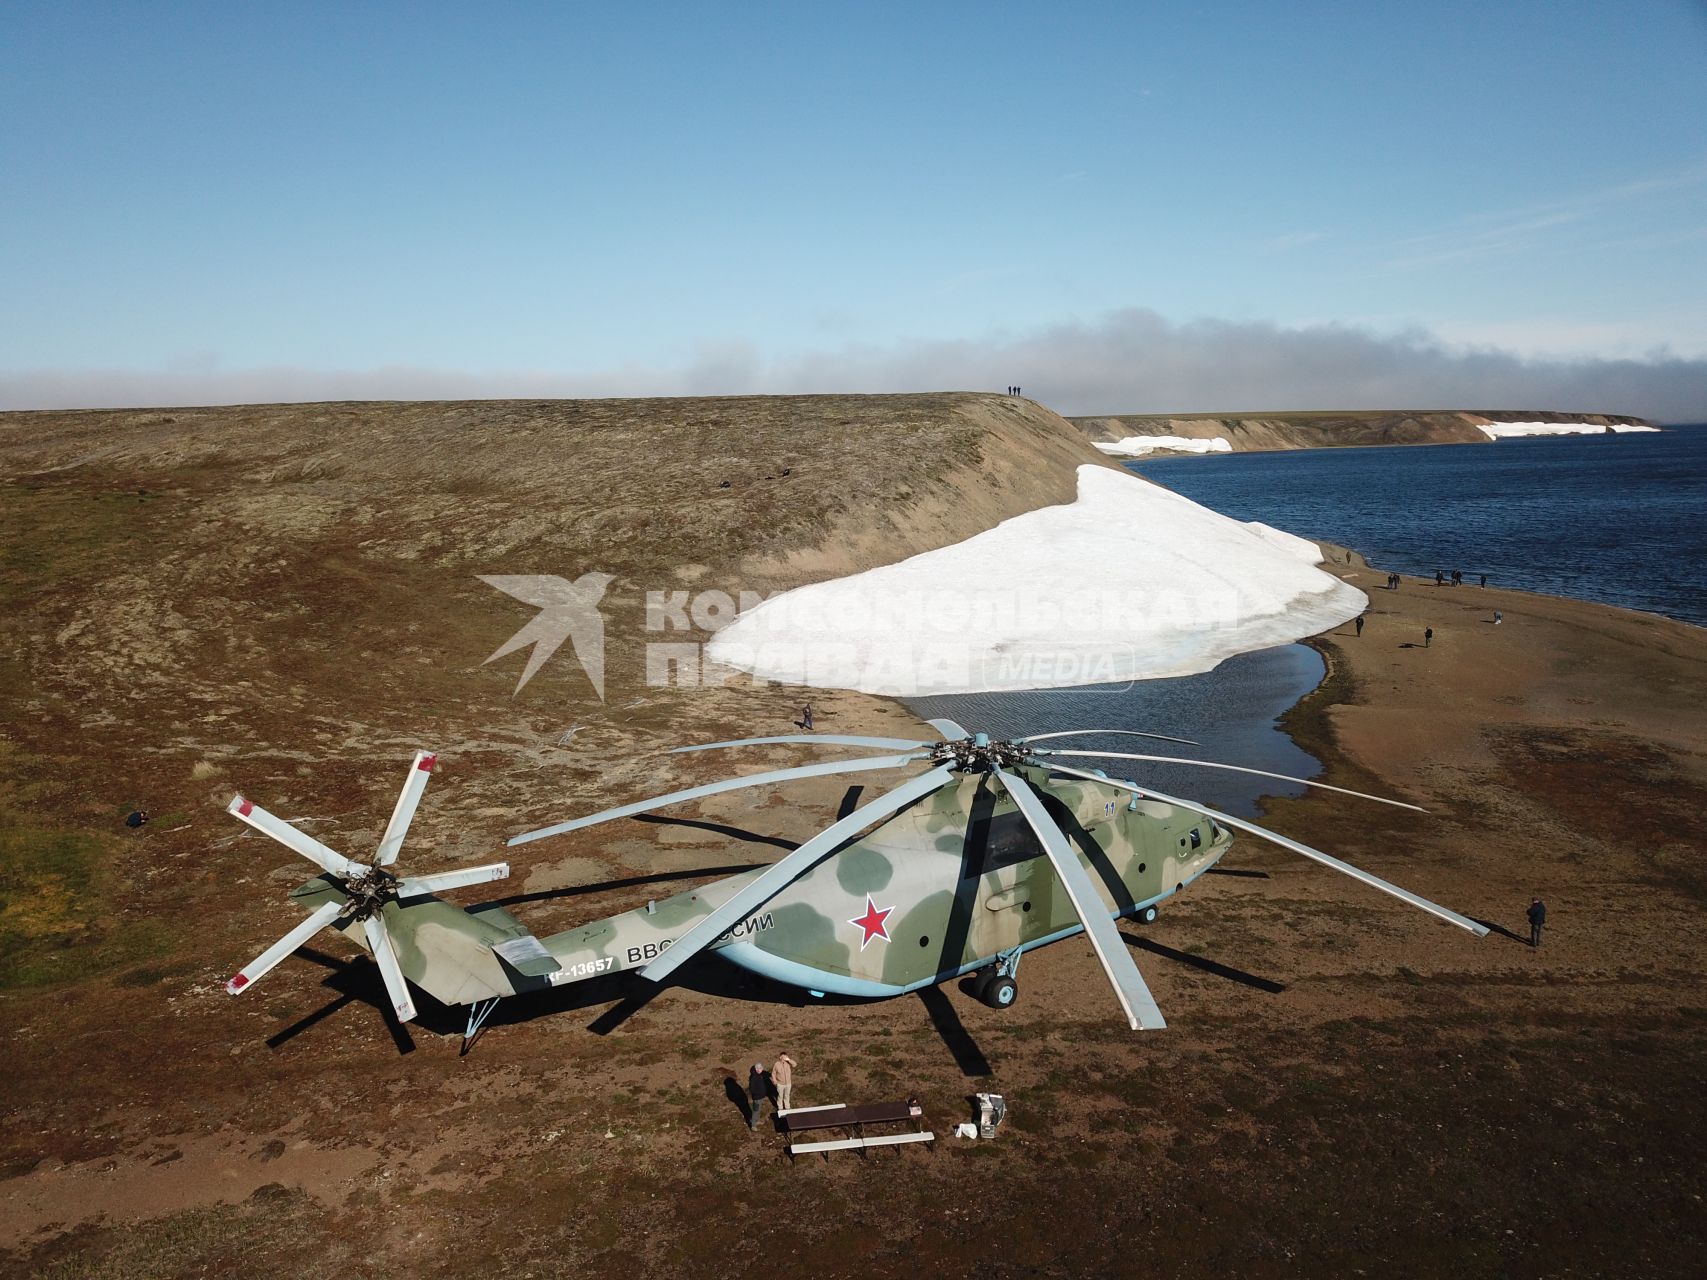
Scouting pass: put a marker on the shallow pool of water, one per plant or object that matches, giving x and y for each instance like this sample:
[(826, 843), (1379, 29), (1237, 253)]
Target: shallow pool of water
[(1230, 712)]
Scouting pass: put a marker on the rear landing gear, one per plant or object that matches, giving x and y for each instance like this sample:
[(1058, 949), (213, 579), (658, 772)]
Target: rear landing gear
[(1000, 992), (1148, 914)]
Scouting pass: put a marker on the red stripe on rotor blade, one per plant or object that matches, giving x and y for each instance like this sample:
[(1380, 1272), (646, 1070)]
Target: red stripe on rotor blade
[(427, 762), (237, 984), (246, 808)]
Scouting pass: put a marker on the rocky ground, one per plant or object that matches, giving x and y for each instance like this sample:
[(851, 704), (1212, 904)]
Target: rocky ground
[(288, 606)]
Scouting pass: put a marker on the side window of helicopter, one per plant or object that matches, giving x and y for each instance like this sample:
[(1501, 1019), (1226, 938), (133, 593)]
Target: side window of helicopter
[(1008, 839), (1196, 838)]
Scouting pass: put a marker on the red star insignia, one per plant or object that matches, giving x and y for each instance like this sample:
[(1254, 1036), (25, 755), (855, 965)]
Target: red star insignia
[(873, 922)]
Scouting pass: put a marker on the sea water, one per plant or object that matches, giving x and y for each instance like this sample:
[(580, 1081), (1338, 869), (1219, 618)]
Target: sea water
[(1231, 714), (1620, 519)]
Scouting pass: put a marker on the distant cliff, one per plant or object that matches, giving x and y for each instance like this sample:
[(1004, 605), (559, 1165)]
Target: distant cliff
[(1331, 430)]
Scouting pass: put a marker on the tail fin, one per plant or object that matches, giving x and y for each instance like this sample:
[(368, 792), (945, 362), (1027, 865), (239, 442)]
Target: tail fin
[(456, 956)]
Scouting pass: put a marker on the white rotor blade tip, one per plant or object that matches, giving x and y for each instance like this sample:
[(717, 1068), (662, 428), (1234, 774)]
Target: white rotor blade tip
[(379, 939), (404, 812), (269, 959), (291, 838)]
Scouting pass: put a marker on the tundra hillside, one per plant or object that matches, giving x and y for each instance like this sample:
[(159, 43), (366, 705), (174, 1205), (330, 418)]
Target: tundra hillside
[(205, 599)]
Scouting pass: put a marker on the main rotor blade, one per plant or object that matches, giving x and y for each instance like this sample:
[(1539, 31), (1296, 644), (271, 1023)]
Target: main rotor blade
[(418, 886), (269, 959), (1115, 955), (1404, 895), (816, 739), (950, 731), (404, 813), (784, 872), (1234, 768), (297, 841), (728, 784), (380, 941), (1089, 733)]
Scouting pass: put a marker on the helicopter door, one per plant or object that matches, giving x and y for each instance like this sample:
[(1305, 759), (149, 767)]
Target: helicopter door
[(1012, 856)]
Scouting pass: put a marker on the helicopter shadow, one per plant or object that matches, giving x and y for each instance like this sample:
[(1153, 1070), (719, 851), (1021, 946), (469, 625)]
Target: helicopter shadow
[(1205, 965), (1500, 929), (946, 1019), (718, 828), (356, 982)]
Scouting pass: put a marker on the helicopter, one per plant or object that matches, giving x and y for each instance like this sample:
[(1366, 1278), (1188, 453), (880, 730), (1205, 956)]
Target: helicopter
[(996, 849)]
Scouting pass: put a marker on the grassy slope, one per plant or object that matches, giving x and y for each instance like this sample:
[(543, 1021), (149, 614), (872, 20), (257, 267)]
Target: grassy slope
[(199, 598)]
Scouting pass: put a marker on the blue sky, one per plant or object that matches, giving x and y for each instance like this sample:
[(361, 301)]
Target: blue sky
[(197, 201)]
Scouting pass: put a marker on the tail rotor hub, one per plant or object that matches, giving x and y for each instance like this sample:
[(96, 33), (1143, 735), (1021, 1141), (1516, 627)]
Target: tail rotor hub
[(370, 891)]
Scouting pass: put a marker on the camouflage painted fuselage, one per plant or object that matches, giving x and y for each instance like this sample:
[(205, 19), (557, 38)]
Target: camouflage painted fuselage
[(942, 888)]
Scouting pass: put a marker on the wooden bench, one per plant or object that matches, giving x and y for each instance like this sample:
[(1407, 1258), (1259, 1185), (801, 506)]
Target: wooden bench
[(854, 1119)]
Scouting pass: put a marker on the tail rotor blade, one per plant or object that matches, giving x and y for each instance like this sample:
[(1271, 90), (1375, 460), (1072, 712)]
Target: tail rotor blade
[(407, 802), (1115, 956), (380, 942), (1091, 733), (1232, 768), (269, 959), (780, 874), (420, 886), (825, 769), (815, 739), (298, 841), (1374, 881)]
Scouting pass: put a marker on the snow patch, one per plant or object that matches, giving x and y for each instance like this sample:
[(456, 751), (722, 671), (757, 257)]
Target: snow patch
[(1138, 446), (1504, 430), (1290, 543), (1129, 582)]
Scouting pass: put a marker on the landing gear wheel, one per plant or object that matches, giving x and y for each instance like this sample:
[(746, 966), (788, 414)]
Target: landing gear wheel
[(1000, 993), (1148, 914), (981, 984)]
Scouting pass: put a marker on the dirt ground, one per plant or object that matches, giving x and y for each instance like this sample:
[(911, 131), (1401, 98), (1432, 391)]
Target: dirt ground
[(1347, 1086)]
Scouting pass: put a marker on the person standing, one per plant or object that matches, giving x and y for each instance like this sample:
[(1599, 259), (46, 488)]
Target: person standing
[(1484, 578), (1498, 617), (1428, 637), (758, 1089), (1359, 624), (806, 717), (1537, 917), (782, 1077), (1439, 577)]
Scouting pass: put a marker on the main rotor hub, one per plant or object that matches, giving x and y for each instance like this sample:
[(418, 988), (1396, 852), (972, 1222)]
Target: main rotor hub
[(980, 753)]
